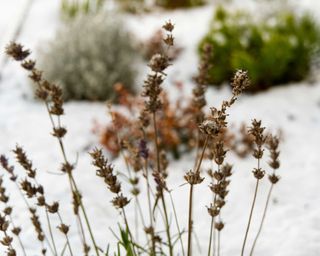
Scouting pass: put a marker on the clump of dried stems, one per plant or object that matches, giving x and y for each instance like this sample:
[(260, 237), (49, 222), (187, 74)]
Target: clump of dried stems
[(147, 166)]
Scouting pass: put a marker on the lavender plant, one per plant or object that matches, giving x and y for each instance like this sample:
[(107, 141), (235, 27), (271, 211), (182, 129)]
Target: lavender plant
[(155, 223)]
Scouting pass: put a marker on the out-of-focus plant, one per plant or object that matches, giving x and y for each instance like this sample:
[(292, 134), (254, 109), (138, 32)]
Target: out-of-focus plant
[(73, 8), (89, 55), (172, 4), (133, 6), (284, 40)]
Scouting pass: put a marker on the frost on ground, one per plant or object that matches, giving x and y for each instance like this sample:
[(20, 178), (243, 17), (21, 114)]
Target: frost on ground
[(292, 227)]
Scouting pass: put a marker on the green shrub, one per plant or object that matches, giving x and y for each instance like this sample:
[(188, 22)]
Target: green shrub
[(171, 4), (89, 55), (73, 8), (275, 50)]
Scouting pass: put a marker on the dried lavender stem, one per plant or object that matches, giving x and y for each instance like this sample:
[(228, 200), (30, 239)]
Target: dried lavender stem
[(86, 218), (127, 226), (177, 223), (218, 247), (74, 187), (50, 232), (250, 217), (161, 194), (66, 235), (202, 153), (18, 236), (82, 234), (189, 253), (212, 232), (190, 221), (29, 207), (262, 220)]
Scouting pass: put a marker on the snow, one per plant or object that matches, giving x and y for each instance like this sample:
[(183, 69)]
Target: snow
[(292, 226)]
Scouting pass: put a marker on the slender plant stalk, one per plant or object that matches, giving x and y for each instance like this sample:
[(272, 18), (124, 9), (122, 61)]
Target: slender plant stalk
[(29, 207), (86, 218), (18, 236), (262, 220), (74, 186), (190, 221), (250, 217), (210, 237), (153, 249), (218, 247), (177, 223), (189, 252), (161, 194), (51, 233), (66, 235), (80, 225), (130, 234)]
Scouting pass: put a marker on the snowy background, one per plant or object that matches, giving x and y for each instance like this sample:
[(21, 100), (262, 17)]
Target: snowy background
[(292, 227)]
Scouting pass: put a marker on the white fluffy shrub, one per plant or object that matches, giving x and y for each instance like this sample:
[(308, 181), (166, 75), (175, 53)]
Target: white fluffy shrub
[(88, 56)]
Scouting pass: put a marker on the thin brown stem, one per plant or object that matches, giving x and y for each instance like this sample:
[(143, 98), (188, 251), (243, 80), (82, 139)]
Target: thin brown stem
[(51, 233), (190, 221), (211, 235), (18, 236), (177, 223), (250, 217), (72, 181), (129, 231), (66, 235), (161, 193), (218, 247), (262, 220)]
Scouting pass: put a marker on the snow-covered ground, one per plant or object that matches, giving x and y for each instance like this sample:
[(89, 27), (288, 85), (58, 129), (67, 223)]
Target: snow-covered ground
[(292, 227)]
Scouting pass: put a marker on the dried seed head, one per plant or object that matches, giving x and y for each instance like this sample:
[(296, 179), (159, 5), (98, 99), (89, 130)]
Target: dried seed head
[(273, 145), (41, 201), (28, 64), (219, 225), (120, 201), (209, 127), (258, 173), (193, 178), (16, 51), (37, 224), (168, 26), (226, 169), (240, 82), (105, 171), (213, 210), (23, 160), (36, 75), (159, 63), (67, 167), (63, 228), (6, 240), (169, 40), (16, 230), (219, 153), (4, 224), (53, 208), (59, 132), (274, 178), (10, 169), (7, 210)]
